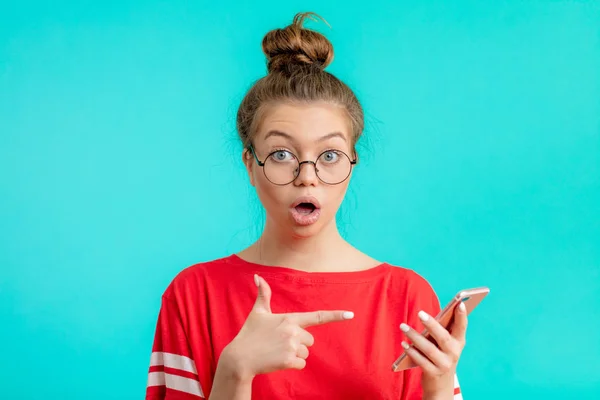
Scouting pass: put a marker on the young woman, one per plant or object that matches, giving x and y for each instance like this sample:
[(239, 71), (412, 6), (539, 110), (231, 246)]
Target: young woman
[(241, 327)]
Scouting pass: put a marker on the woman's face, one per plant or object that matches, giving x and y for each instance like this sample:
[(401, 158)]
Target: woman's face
[(299, 134)]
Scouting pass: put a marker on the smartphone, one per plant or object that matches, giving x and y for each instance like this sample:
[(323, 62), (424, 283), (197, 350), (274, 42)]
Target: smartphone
[(471, 298)]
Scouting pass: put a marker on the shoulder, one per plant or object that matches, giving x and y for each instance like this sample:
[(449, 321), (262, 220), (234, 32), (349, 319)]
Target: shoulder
[(195, 278), (416, 287), (401, 278)]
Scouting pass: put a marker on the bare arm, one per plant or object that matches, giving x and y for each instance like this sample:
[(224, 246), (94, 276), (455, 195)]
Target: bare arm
[(230, 382)]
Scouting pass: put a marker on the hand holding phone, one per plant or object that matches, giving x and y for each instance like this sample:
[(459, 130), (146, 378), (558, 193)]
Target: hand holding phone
[(469, 297)]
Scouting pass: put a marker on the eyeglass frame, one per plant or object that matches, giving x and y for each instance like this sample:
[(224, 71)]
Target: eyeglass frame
[(314, 163)]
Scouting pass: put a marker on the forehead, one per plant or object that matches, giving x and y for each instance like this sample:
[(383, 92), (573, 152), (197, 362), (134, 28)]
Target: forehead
[(305, 123)]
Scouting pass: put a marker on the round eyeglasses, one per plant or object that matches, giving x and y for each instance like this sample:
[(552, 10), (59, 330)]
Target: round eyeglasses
[(282, 167)]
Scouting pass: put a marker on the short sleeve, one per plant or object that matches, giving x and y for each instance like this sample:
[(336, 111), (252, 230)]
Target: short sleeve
[(173, 374), (424, 298)]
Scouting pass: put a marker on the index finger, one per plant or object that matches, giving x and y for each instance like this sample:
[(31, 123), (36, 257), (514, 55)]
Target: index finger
[(320, 317)]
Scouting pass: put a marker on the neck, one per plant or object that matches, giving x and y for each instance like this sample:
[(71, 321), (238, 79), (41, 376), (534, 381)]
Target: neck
[(277, 246)]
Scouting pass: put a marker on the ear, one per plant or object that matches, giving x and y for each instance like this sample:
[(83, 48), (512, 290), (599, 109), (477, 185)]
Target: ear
[(248, 161)]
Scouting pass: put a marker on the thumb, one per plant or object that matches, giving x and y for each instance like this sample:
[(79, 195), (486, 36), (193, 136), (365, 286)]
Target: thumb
[(263, 299)]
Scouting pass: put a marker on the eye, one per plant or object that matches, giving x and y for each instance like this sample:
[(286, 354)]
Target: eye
[(330, 156), (281, 155)]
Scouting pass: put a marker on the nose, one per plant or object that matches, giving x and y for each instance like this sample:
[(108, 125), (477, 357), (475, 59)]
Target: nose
[(307, 176)]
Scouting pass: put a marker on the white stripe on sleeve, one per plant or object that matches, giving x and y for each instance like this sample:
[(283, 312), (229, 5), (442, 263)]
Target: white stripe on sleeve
[(171, 380), (174, 361), (175, 382), (457, 396)]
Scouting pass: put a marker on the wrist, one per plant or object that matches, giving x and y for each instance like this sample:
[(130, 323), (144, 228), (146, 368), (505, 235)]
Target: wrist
[(232, 367), (439, 387), (438, 395)]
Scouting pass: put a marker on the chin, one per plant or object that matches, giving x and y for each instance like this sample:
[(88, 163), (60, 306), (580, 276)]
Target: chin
[(307, 231)]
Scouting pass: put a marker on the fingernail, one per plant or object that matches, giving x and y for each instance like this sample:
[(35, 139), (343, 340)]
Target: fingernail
[(348, 315), (423, 315), (256, 281), (405, 345), (462, 307), (404, 327)]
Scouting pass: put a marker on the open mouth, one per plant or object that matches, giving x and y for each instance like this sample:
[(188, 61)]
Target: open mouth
[(305, 208)]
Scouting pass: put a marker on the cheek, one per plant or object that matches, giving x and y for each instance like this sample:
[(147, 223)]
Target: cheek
[(334, 198), (340, 192), (271, 196)]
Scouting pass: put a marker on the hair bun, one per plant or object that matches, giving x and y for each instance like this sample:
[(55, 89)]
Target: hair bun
[(295, 45)]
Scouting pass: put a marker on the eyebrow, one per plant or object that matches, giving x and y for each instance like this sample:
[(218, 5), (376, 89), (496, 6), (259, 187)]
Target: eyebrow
[(284, 135)]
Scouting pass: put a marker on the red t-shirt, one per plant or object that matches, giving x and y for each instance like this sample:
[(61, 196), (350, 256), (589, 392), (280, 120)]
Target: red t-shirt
[(205, 306)]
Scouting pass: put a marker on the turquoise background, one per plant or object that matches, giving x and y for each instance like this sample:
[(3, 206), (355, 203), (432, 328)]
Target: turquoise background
[(119, 166)]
